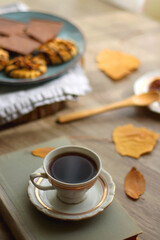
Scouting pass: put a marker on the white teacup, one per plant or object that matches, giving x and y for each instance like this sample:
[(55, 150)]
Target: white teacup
[(68, 191)]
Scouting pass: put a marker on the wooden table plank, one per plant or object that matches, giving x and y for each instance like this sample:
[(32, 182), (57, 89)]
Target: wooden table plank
[(105, 26)]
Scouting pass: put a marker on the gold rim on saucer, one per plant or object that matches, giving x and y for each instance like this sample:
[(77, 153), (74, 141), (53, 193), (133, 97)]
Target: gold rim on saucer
[(98, 198), (104, 187)]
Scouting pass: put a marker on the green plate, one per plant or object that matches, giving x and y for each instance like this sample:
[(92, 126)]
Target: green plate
[(69, 31)]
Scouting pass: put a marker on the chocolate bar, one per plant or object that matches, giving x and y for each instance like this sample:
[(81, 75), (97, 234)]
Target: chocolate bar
[(43, 30)]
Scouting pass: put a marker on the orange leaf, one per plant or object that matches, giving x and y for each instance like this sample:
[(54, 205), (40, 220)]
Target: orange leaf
[(133, 141), (116, 64), (42, 152), (134, 183)]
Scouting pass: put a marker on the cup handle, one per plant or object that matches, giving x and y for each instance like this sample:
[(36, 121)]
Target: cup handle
[(42, 175)]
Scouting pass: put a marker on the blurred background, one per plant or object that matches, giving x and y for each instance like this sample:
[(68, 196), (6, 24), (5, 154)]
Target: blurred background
[(150, 8)]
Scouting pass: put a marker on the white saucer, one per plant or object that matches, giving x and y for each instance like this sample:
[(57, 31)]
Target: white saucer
[(142, 84), (98, 198)]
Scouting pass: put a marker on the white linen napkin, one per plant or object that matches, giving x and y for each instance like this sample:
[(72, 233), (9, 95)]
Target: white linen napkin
[(16, 101), (15, 7)]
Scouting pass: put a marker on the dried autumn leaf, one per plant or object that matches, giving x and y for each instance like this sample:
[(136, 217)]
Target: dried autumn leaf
[(42, 152), (116, 64), (134, 183), (133, 141)]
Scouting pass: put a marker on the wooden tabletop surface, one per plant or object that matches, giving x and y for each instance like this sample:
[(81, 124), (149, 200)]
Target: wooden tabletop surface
[(104, 26)]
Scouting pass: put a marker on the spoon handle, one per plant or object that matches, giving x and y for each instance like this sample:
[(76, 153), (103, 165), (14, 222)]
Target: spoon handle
[(94, 111)]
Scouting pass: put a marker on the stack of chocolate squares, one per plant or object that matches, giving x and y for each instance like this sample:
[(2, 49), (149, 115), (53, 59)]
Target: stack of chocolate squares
[(35, 45), (24, 38)]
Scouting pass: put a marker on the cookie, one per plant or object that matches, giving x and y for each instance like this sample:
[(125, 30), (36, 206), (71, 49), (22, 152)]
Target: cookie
[(116, 64), (59, 51), (4, 59), (25, 67)]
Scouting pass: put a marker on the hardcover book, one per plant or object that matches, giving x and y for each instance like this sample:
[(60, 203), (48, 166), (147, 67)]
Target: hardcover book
[(27, 223)]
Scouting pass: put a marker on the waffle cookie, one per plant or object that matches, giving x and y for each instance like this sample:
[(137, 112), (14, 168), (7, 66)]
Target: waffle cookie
[(58, 51), (4, 58), (26, 67)]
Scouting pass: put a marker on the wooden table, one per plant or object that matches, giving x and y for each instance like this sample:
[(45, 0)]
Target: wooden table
[(104, 26)]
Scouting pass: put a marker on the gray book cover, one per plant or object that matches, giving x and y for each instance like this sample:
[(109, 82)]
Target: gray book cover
[(27, 223)]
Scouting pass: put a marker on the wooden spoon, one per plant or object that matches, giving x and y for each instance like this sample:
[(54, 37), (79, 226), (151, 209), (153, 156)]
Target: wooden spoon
[(143, 99)]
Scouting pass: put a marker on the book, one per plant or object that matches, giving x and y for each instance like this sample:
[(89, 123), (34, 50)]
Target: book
[(27, 223)]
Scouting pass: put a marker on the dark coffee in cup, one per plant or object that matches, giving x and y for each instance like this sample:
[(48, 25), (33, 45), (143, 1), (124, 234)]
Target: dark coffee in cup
[(72, 167), (71, 171)]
